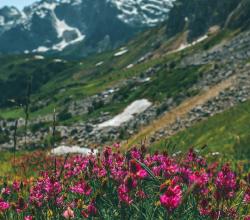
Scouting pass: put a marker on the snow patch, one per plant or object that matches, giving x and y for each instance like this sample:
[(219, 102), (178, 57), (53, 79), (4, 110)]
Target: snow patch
[(73, 2), (61, 27), (62, 150), (99, 64), (41, 49), (130, 66), (184, 46), (215, 153), (63, 44), (148, 79), (121, 52), (38, 57), (128, 114), (2, 20), (59, 61)]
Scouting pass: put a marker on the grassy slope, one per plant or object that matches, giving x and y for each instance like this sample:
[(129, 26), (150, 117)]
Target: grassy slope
[(77, 80), (81, 79), (223, 132)]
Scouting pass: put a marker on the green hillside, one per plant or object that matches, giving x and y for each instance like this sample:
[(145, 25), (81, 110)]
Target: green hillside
[(58, 83), (227, 133)]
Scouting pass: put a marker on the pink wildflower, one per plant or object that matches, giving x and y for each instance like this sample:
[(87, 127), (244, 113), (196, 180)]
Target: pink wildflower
[(137, 170), (135, 153), (225, 183), (59, 200), (204, 207), (247, 196), (6, 191), (141, 194), (16, 186), (84, 214), (199, 178), (81, 188), (92, 210), (21, 205), (69, 213), (134, 166), (123, 194), (4, 206), (171, 199), (130, 182), (142, 174), (117, 145)]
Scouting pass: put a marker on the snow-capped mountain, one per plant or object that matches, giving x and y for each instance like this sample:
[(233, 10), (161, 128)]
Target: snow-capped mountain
[(142, 12), (94, 25), (9, 17)]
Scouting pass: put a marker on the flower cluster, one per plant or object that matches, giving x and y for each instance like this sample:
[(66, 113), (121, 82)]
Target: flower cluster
[(131, 185)]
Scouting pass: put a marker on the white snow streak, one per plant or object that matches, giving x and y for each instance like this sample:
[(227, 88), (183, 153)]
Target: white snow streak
[(184, 46), (121, 52)]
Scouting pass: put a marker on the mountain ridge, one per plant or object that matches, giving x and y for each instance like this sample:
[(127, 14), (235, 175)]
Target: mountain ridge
[(94, 25)]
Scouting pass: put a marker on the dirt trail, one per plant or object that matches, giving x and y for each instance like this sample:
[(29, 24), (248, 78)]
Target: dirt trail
[(180, 111)]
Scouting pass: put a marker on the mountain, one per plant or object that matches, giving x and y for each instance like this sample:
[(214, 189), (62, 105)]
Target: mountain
[(198, 16), (92, 25), (240, 16)]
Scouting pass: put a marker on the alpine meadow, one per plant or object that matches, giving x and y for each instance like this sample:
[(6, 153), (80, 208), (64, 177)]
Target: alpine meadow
[(125, 110)]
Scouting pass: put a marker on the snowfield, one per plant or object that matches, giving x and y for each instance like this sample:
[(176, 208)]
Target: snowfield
[(136, 107), (62, 150)]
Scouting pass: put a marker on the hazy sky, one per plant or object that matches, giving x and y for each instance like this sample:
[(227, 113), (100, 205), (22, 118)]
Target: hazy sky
[(18, 3)]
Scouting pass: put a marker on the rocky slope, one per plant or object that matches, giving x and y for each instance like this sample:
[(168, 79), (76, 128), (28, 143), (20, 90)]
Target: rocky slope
[(224, 86)]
